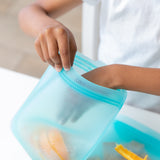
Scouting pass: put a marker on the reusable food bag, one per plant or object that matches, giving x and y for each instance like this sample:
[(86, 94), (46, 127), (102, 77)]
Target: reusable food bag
[(133, 135), (65, 116)]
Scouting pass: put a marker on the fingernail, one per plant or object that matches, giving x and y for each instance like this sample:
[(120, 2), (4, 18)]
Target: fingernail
[(66, 69), (58, 69)]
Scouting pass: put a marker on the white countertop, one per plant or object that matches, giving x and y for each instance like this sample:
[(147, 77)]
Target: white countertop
[(14, 89)]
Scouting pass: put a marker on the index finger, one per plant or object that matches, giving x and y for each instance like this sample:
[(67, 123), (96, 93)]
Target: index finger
[(63, 45)]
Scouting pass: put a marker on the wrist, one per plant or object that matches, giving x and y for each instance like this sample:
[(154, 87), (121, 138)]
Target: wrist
[(114, 76), (50, 23)]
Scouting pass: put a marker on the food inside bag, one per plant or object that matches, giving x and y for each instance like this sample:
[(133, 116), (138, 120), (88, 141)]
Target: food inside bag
[(65, 116), (128, 154), (128, 151), (128, 139), (51, 145)]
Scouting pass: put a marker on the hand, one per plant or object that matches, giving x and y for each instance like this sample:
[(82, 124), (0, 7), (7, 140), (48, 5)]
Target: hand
[(106, 76), (53, 39), (74, 106)]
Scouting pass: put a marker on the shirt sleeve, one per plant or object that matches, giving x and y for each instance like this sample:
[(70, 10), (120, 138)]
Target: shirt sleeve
[(92, 2)]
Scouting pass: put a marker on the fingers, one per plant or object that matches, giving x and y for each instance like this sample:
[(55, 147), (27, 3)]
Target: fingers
[(53, 51), (39, 49), (42, 49), (73, 49), (63, 45), (67, 47), (65, 116), (52, 40)]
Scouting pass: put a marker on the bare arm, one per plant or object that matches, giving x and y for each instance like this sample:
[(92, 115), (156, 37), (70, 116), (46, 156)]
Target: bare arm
[(133, 78), (34, 17), (51, 35), (140, 79)]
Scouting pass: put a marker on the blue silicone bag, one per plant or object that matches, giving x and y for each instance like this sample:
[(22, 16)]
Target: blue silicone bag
[(65, 116), (133, 135)]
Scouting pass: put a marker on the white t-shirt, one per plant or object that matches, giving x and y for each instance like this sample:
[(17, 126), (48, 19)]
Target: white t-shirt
[(130, 34)]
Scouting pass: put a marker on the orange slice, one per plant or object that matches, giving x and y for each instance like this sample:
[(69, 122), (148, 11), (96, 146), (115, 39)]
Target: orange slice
[(53, 146), (57, 143), (128, 154)]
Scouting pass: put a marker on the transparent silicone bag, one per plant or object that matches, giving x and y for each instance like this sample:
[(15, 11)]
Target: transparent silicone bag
[(133, 135), (65, 116)]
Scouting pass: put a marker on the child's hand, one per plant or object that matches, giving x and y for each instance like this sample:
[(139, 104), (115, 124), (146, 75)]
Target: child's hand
[(75, 108), (53, 39), (132, 78), (106, 76)]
